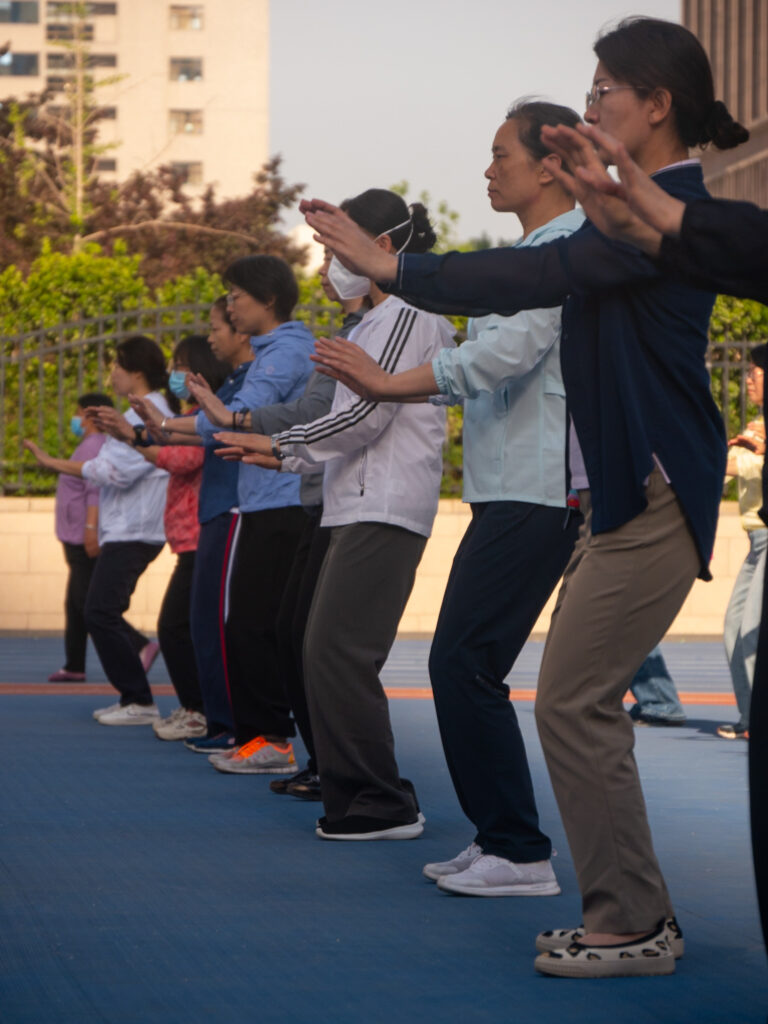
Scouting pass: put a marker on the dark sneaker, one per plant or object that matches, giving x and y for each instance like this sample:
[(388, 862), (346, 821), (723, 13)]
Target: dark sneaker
[(358, 828), (221, 743), (306, 788), (281, 785)]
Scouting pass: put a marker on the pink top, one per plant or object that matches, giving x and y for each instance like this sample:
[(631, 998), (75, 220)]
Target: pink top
[(74, 495), (184, 463)]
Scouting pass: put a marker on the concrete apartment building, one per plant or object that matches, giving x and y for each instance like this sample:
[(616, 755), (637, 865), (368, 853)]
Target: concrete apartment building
[(195, 87), (735, 35)]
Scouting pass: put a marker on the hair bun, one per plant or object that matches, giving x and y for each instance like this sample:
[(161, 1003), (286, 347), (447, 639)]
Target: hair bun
[(423, 232), (721, 129)]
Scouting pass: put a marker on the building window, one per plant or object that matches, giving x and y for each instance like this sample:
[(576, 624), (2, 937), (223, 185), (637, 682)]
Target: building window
[(187, 16), (57, 32), (27, 64), (57, 83), (58, 61), (186, 122), (186, 69), (190, 173), (63, 8), (21, 12), (64, 113), (106, 165)]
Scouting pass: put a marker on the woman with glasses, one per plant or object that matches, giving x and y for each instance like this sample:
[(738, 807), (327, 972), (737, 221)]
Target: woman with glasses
[(647, 452)]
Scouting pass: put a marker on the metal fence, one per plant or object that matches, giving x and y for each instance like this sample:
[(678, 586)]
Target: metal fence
[(43, 371)]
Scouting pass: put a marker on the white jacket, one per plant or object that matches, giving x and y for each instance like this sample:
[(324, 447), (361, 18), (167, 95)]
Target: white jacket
[(384, 460), (132, 494)]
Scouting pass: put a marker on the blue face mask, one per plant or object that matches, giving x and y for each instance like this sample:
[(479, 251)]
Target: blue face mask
[(177, 383), (76, 426)]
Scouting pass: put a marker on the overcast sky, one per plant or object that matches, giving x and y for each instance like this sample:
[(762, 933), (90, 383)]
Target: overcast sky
[(367, 94)]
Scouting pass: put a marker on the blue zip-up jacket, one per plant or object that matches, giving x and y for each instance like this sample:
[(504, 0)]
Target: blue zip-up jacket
[(218, 487), (633, 353), (278, 373), (508, 369)]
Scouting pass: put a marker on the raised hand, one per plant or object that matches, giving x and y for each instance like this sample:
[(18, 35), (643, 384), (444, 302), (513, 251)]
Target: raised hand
[(347, 362), (112, 422), (258, 444), (349, 243), (146, 411), (213, 407), (43, 458)]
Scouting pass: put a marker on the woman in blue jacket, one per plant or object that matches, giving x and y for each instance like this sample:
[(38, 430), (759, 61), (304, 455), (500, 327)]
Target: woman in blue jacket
[(650, 448)]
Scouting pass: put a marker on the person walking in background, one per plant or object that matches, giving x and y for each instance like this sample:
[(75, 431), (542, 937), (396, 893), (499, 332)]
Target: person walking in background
[(742, 617), (657, 701), (77, 525)]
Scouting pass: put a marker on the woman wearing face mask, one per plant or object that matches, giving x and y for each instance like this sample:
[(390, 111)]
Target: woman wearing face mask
[(382, 477), (77, 524), (184, 465), (653, 455), (131, 535), (218, 515)]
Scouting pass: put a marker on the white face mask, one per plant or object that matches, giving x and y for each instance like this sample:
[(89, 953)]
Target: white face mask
[(352, 286), (346, 284)]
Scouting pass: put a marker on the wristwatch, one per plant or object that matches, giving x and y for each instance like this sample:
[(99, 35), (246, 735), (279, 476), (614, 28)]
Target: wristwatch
[(138, 441)]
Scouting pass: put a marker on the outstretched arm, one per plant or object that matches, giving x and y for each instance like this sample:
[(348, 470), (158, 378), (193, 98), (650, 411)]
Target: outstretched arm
[(347, 362)]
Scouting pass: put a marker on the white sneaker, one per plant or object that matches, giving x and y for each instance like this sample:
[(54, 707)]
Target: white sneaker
[(105, 711), (130, 714), (452, 867), (182, 727), (489, 875)]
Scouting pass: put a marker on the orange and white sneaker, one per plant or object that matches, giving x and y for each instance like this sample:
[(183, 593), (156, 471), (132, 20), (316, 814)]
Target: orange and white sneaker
[(259, 757)]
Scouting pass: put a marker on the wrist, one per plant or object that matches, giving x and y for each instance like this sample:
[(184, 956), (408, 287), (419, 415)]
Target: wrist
[(278, 454)]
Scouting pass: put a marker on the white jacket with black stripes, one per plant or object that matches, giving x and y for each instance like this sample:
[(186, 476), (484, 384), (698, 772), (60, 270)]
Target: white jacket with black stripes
[(384, 460)]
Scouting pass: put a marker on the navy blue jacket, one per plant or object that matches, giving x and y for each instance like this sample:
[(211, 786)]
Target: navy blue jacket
[(633, 357), (218, 487)]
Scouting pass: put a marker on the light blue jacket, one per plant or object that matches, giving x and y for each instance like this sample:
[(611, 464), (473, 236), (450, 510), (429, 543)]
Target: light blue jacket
[(508, 373), (278, 373)]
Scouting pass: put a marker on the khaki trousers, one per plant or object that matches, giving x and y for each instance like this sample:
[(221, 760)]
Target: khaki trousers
[(620, 592)]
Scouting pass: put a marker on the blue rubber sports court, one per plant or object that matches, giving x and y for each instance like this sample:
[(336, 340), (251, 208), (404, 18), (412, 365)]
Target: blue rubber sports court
[(140, 886)]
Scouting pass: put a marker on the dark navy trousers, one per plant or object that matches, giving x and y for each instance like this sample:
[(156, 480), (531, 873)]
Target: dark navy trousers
[(209, 588), (505, 569)]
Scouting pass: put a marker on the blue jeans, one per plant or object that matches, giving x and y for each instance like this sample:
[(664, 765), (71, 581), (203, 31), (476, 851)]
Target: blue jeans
[(742, 622), (655, 692)]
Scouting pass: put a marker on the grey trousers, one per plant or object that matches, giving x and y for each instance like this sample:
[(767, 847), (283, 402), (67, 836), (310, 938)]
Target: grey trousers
[(620, 593), (362, 590)]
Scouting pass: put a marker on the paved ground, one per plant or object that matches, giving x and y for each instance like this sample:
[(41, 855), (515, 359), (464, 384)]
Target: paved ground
[(138, 885)]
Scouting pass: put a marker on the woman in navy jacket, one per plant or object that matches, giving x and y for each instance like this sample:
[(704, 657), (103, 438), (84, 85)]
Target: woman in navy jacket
[(653, 451)]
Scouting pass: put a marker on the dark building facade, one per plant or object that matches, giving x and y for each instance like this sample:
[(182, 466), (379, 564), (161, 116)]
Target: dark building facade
[(735, 35)]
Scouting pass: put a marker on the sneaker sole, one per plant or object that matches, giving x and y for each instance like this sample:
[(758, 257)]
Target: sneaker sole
[(640, 966), (228, 768), (412, 831), (530, 889), (104, 720), (184, 736)]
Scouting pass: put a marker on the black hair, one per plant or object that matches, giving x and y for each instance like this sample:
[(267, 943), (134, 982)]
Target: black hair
[(268, 279), (140, 354), (649, 54), (531, 115), (195, 352), (222, 306), (378, 210), (92, 399)]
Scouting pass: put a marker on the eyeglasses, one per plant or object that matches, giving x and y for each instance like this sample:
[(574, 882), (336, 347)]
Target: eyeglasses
[(597, 92)]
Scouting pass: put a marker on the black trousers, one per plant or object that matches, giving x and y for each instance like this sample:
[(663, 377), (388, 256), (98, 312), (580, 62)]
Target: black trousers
[(75, 631), (265, 548), (506, 566), (174, 633), (114, 579), (292, 621)]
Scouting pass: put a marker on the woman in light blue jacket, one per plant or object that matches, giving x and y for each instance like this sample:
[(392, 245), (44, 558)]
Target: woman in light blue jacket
[(520, 537)]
